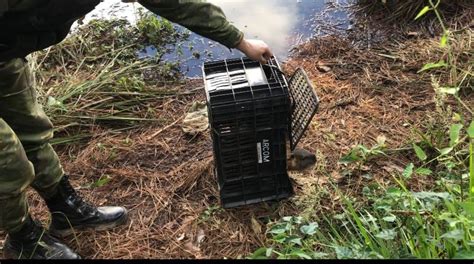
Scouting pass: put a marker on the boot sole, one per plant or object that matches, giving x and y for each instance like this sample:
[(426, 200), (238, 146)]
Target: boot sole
[(103, 227), (9, 254)]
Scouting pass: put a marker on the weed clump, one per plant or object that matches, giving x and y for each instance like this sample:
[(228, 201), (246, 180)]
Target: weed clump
[(108, 72)]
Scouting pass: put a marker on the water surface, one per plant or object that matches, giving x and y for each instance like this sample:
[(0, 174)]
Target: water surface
[(281, 23)]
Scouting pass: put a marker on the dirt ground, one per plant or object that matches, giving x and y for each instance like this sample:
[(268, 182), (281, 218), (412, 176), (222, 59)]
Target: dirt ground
[(165, 179)]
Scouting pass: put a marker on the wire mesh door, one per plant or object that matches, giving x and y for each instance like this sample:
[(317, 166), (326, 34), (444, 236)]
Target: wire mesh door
[(305, 104)]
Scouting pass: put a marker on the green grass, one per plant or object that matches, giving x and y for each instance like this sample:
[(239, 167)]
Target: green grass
[(389, 222), (398, 224)]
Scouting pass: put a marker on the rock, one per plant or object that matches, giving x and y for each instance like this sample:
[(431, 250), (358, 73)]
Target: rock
[(323, 68)]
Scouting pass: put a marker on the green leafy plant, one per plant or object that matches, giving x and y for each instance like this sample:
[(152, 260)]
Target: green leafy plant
[(291, 238), (444, 41), (398, 223), (102, 181), (209, 212), (361, 154)]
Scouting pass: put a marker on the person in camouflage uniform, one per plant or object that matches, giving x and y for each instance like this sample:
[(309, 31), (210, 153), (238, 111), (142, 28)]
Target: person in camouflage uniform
[(26, 157)]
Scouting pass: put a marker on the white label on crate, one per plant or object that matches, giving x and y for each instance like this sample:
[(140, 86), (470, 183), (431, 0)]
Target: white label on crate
[(263, 150), (259, 151), (256, 76)]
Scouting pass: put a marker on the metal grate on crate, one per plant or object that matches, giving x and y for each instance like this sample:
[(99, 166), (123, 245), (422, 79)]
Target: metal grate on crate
[(305, 104)]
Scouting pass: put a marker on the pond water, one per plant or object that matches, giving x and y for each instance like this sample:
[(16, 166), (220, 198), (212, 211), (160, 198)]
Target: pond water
[(283, 24)]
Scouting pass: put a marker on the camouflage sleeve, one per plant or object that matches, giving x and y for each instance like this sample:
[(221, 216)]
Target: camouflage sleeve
[(198, 16)]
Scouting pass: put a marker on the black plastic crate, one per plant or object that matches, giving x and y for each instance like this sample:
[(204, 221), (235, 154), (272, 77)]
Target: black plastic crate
[(243, 79), (250, 112)]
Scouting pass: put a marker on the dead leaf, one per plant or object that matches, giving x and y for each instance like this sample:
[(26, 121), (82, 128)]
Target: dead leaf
[(256, 227), (196, 121), (337, 177), (189, 246), (200, 237), (392, 168), (193, 246), (324, 69), (381, 140)]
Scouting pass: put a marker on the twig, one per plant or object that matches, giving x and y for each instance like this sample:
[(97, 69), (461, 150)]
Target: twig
[(165, 128)]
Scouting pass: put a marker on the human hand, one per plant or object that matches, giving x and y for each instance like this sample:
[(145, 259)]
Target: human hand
[(255, 50)]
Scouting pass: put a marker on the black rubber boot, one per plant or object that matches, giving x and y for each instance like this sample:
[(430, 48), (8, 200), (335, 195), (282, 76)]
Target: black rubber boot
[(70, 212), (34, 242)]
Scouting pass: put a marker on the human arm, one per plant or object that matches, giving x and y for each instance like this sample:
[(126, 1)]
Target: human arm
[(208, 20)]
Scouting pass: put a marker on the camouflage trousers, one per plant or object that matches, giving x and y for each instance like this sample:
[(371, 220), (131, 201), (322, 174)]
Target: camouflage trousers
[(26, 157)]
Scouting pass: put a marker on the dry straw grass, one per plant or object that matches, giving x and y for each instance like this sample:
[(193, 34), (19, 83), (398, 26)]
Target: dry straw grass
[(400, 11), (168, 184)]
